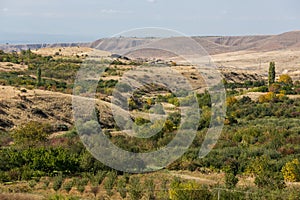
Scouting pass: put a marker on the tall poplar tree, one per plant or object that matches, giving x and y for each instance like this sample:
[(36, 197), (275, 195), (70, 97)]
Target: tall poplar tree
[(272, 73)]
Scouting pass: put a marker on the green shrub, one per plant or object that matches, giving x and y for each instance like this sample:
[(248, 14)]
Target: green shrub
[(3, 177), (46, 183), (14, 174), (57, 183), (32, 183), (68, 186), (81, 188), (98, 178), (135, 189), (109, 182), (31, 133), (27, 173), (150, 188), (81, 183), (273, 181), (121, 187), (189, 190), (230, 180)]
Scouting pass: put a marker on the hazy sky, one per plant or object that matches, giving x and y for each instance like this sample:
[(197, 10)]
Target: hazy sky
[(34, 21)]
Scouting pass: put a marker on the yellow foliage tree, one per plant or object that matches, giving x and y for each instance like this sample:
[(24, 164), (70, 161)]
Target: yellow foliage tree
[(262, 99), (270, 96), (188, 191), (286, 79), (267, 97), (291, 171), (150, 101), (230, 101), (257, 166)]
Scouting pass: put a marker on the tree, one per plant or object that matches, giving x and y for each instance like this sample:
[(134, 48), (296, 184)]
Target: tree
[(31, 133), (264, 176), (286, 79), (231, 170), (270, 96), (291, 171), (230, 101), (188, 191), (272, 73), (39, 76), (230, 180)]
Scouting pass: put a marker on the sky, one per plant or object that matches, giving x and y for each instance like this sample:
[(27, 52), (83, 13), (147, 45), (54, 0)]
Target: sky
[(52, 21)]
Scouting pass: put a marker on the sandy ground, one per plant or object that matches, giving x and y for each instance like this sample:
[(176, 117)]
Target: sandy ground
[(251, 62), (71, 51), (287, 62), (8, 66), (202, 178), (10, 92)]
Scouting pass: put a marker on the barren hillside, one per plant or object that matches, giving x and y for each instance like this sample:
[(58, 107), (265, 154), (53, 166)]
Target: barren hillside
[(212, 44), (18, 106), (287, 62)]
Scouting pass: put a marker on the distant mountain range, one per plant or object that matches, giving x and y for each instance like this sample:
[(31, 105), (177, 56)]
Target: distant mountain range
[(212, 44)]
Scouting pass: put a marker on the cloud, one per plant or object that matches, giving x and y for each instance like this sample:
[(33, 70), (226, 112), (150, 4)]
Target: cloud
[(112, 11), (151, 1), (15, 12), (224, 12)]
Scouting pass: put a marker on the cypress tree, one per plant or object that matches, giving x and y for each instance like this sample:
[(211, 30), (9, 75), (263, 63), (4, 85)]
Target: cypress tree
[(272, 74), (39, 76)]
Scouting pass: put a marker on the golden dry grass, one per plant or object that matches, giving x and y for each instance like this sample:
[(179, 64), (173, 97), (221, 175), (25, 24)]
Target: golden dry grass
[(287, 62), (70, 51), (20, 196), (8, 67)]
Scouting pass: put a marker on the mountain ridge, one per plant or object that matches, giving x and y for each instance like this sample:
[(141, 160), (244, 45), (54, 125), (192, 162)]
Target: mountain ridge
[(212, 44)]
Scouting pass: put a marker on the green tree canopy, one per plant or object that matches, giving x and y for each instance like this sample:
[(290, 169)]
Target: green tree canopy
[(272, 73), (31, 133)]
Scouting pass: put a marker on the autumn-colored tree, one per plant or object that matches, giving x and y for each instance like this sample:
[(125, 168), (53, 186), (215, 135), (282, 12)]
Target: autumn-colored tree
[(267, 97), (286, 79), (291, 171), (230, 101), (188, 190), (150, 101), (281, 96)]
